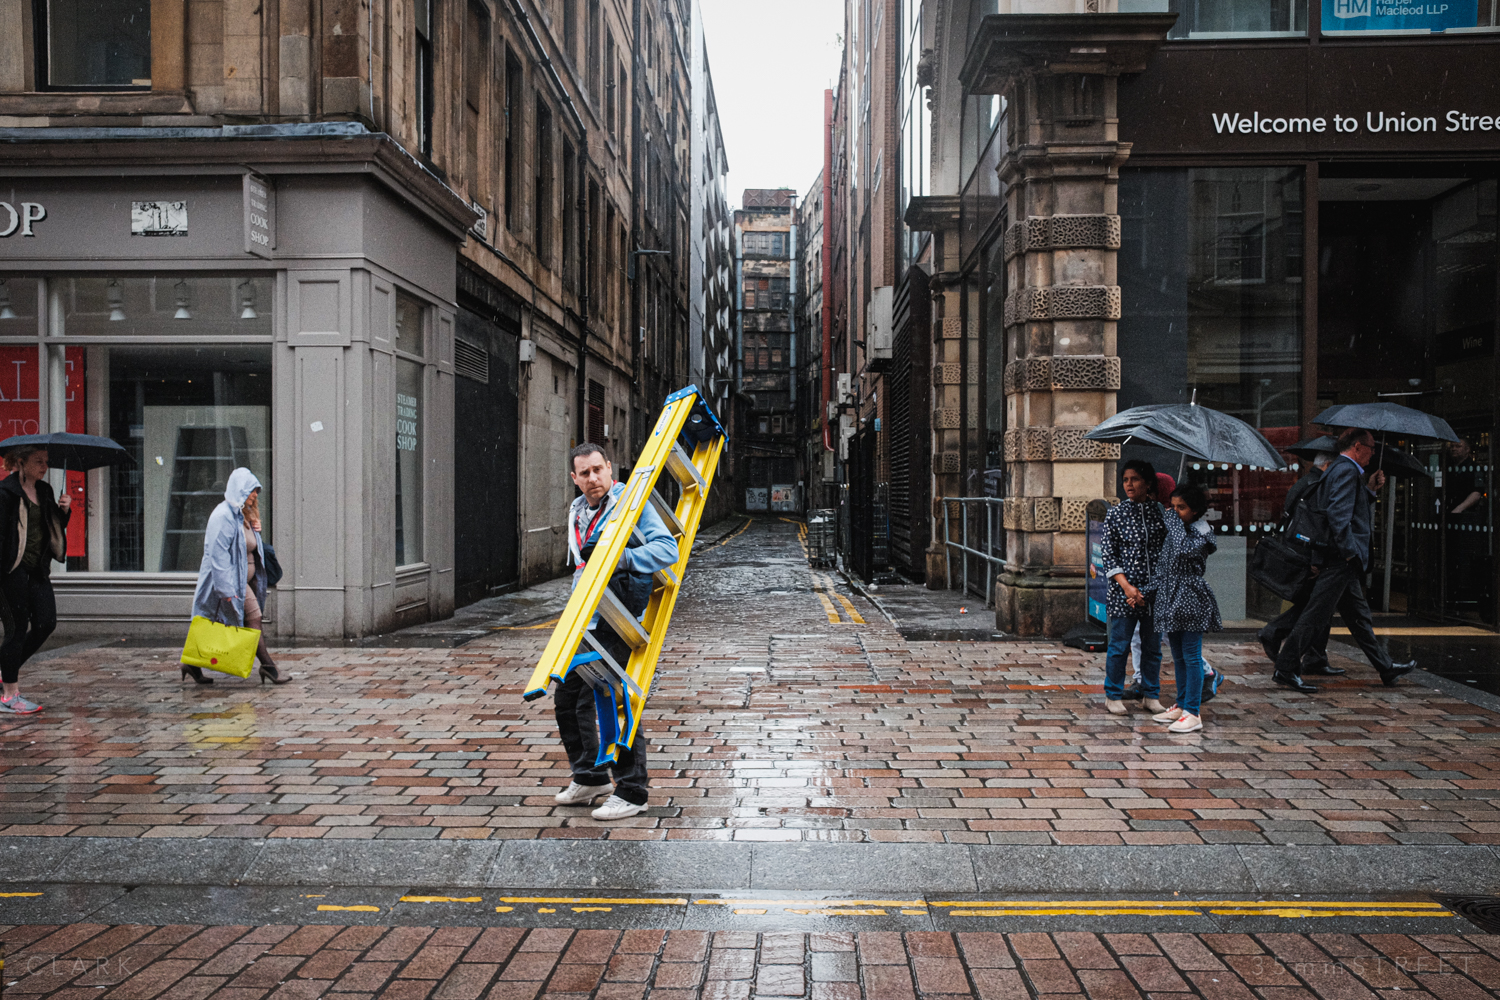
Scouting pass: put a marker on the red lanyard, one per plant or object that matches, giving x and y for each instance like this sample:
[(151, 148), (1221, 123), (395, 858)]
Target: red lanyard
[(590, 534)]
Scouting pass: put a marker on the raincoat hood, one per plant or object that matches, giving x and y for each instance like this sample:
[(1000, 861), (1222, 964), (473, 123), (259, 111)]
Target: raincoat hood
[(242, 483)]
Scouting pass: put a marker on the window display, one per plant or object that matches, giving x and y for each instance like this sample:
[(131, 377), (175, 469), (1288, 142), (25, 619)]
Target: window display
[(409, 430)]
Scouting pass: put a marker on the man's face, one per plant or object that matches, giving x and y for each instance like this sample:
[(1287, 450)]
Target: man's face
[(593, 475), (1362, 451)]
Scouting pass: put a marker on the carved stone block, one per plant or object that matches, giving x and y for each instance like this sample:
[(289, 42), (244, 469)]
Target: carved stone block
[(1083, 302), (945, 418), (1036, 444), (953, 328), (1083, 232), (946, 374), (1069, 445), (1013, 445), (1046, 513), (947, 462), (1038, 377), (1010, 516), (1075, 514), (1085, 372)]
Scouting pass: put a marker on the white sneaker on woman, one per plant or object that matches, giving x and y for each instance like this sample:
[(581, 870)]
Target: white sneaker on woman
[(1186, 724), (576, 794), (1170, 715), (617, 808)]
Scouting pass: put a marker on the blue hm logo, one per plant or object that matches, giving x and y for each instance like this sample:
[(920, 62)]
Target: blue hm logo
[(1351, 8)]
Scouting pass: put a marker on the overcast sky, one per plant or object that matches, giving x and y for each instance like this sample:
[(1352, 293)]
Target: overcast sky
[(771, 61)]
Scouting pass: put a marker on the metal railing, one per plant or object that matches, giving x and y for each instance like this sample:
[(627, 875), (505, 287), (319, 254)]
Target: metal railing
[(993, 524)]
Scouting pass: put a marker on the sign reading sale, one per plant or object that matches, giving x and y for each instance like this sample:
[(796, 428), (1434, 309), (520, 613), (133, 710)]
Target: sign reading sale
[(20, 413)]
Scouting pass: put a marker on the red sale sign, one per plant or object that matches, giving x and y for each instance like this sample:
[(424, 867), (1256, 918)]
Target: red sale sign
[(20, 413)]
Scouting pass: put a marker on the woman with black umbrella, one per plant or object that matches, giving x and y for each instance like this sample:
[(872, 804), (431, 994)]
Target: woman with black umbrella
[(33, 532)]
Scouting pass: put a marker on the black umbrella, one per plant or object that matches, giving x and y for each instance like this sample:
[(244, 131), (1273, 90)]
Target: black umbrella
[(1388, 457), (1193, 430), (73, 452), (1387, 418)]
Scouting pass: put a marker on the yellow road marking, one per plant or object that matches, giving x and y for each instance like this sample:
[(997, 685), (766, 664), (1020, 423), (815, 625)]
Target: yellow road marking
[(1302, 912), (1072, 913), (441, 899), (749, 913), (13, 895), (522, 628), (915, 913), (585, 900), (504, 909), (837, 913), (1244, 903), (833, 615), (592, 909), (324, 907), (849, 607), (810, 903), (543, 909), (733, 534)]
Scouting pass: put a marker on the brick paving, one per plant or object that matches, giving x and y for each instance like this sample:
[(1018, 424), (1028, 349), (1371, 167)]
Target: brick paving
[(184, 962), (769, 723)]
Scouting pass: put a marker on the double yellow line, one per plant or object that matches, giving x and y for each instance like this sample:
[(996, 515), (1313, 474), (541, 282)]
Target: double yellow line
[(1191, 908)]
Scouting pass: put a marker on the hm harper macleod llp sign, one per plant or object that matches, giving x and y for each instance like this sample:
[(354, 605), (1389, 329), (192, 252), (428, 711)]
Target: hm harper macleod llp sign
[(1399, 15)]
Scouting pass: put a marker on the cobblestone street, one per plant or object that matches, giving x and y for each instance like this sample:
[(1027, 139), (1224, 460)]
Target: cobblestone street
[(787, 708)]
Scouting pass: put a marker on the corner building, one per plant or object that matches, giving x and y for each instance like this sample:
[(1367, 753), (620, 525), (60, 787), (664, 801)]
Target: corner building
[(1269, 206)]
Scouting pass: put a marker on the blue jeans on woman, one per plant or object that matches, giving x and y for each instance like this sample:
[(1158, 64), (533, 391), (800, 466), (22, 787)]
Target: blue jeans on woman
[(1117, 659), (1187, 660)]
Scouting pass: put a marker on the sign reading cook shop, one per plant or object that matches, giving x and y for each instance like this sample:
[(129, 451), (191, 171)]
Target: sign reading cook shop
[(20, 219)]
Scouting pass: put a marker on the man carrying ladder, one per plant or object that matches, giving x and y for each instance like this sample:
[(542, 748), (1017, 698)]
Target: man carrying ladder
[(652, 550)]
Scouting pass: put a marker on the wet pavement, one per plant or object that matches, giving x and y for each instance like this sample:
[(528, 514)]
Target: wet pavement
[(829, 765)]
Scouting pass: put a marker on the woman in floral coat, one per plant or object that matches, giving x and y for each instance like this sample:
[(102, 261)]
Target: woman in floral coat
[(1133, 534), (1183, 604)]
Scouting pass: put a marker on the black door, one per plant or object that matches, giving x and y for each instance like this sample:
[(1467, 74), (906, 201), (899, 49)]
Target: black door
[(486, 414), (862, 502)]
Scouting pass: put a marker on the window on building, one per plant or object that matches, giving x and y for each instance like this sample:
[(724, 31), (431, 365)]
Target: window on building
[(570, 29), (776, 424), (609, 273), (1228, 18), (593, 51), (476, 77), (543, 208), (596, 413), (95, 43), (410, 429), (512, 127), (570, 262), (423, 20), (611, 101)]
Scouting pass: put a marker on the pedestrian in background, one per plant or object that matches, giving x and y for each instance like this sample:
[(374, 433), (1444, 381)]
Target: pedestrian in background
[(1348, 499), (1275, 631), (232, 577), (33, 533), (1183, 604), (1133, 534)]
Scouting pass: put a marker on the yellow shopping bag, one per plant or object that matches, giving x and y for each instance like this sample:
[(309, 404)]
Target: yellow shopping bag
[(225, 648)]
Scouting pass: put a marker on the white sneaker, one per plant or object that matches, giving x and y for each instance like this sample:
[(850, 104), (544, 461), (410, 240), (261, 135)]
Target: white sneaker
[(1114, 707), (617, 808), (18, 706), (576, 794), (1186, 724), (1170, 715)]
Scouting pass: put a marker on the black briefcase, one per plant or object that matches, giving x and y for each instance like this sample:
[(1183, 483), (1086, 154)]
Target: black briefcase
[(1283, 567)]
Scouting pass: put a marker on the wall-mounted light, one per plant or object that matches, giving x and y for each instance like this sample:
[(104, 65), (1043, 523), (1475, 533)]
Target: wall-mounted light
[(116, 301), (182, 300), (247, 301), (6, 312)]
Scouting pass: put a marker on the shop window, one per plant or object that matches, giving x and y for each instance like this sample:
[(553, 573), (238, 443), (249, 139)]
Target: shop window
[(1230, 18), (189, 416), (165, 305), (95, 44), (410, 333), (18, 308), (1211, 271), (410, 428)]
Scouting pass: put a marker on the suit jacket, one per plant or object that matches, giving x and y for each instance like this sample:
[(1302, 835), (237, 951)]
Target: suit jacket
[(1349, 505)]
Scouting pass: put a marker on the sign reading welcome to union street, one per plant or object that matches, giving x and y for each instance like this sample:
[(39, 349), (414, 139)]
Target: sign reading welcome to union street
[(1399, 15)]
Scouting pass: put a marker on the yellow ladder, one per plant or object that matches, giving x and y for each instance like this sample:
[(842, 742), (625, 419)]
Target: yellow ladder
[(686, 444)]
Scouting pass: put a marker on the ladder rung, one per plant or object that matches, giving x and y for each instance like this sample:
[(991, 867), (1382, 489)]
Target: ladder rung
[(621, 676), (666, 577), (622, 621), (682, 467), (667, 514)]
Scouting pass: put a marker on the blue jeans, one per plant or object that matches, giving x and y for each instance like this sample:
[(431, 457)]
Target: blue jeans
[(1117, 659), (1187, 660)]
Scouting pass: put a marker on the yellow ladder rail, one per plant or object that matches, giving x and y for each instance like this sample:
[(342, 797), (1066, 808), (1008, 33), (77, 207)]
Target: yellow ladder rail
[(694, 473)]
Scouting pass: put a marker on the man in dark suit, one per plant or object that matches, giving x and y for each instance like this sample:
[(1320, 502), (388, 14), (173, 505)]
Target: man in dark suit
[(1348, 496), (1275, 632)]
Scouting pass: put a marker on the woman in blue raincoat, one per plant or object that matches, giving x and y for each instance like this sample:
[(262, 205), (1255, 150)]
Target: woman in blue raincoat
[(232, 578)]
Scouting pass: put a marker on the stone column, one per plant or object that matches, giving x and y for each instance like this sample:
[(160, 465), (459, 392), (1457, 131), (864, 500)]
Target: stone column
[(1059, 75)]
